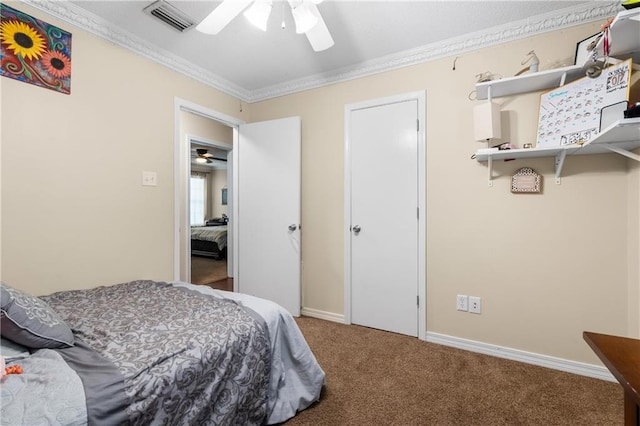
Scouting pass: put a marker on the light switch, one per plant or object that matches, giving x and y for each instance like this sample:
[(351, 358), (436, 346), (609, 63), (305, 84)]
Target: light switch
[(149, 178)]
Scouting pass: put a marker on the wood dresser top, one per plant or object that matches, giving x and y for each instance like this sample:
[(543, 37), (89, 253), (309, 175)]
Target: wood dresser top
[(621, 355)]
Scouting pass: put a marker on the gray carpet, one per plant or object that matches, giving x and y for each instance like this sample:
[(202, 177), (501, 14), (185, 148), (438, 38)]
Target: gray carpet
[(380, 378)]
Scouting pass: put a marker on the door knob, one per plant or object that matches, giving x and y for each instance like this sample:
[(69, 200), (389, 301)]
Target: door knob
[(356, 229), (292, 227)]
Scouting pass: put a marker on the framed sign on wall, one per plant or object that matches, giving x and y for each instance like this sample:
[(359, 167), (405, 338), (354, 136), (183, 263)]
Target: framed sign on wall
[(526, 180)]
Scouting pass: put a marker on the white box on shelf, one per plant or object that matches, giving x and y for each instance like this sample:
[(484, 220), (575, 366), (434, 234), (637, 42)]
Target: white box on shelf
[(486, 121)]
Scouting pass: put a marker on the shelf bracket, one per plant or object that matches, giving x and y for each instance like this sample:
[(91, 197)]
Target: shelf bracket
[(621, 151), (559, 163), (490, 167)]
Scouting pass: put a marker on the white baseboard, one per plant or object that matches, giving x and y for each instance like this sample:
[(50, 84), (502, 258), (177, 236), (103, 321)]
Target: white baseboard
[(547, 361), (575, 367), (329, 316)]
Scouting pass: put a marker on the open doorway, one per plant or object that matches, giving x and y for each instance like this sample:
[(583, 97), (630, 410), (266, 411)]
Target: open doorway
[(198, 127), (265, 256), (209, 208)]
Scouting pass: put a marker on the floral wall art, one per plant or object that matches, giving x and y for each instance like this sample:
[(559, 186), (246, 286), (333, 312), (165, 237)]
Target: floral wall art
[(33, 51)]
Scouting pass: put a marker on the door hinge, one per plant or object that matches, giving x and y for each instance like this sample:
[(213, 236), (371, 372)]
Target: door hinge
[(418, 212), (417, 124), (418, 300)]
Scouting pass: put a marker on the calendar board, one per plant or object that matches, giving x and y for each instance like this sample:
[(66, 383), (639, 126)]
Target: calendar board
[(571, 114)]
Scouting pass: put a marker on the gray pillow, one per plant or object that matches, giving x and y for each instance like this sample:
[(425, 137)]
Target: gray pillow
[(30, 321)]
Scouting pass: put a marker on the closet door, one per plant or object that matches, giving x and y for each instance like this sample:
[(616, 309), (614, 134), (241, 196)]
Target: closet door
[(383, 148)]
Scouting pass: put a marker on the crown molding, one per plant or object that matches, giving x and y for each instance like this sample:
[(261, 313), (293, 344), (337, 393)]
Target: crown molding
[(588, 12), (512, 31), (81, 18)]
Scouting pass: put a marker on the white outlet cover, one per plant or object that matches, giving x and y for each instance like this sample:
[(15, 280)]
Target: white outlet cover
[(475, 305), (462, 303)]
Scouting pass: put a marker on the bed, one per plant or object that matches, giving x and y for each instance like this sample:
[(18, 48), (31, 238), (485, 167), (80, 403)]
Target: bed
[(147, 352), (209, 241)]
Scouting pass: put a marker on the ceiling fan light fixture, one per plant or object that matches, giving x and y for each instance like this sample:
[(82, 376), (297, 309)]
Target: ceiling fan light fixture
[(201, 160), (319, 36), (221, 16), (258, 13), (304, 18)]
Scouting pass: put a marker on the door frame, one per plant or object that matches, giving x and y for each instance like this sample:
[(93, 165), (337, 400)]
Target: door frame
[(420, 97), (181, 169)]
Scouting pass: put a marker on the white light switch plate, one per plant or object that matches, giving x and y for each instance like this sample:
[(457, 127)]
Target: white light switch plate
[(149, 178)]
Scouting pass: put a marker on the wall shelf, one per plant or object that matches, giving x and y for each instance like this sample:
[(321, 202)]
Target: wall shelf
[(532, 82), (621, 137), (624, 32), (624, 36)]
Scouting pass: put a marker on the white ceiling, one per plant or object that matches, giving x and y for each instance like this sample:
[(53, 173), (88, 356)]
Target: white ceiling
[(370, 36)]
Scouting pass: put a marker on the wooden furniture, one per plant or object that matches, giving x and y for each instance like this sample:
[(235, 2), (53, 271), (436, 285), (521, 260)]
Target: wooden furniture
[(621, 355)]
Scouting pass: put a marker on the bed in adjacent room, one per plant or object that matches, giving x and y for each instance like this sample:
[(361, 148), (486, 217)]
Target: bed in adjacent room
[(148, 352), (209, 241)]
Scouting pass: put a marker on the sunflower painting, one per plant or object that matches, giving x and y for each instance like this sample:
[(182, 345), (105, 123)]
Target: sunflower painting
[(34, 51)]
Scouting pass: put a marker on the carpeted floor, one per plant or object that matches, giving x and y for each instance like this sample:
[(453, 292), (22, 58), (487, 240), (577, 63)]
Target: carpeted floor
[(206, 271), (380, 378)]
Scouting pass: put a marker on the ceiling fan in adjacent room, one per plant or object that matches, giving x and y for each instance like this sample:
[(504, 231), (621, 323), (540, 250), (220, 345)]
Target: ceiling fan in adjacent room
[(203, 156), (305, 15)]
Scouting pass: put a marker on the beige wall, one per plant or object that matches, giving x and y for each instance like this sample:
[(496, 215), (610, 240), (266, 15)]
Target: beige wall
[(218, 181), (74, 212), (547, 266)]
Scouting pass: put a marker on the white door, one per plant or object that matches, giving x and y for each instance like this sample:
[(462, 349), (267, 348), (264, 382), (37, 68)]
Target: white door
[(383, 148), (268, 211)]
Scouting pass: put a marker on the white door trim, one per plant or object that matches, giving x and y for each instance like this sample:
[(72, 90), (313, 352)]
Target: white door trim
[(181, 166), (420, 97)]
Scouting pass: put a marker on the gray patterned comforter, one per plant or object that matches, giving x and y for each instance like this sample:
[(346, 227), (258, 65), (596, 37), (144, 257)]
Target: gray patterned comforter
[(184, 357)]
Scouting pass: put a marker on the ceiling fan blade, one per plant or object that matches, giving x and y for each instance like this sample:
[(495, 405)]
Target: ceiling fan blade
[(222, 15), (319, 36)]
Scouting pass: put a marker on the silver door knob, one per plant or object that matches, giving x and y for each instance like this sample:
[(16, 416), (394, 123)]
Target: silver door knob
[(292, 227), (356, 229)]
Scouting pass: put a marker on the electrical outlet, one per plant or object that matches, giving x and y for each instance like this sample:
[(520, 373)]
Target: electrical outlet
[(475, 305), (462, 303)]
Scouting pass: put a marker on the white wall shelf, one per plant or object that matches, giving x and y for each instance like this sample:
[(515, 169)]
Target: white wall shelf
[(624, 30), (621, 137), (625, 44), (531, 82)]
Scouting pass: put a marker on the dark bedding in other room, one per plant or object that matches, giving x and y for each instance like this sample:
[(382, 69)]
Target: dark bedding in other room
[(209, 241)]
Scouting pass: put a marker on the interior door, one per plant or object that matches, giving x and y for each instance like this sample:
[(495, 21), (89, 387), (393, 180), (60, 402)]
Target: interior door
[(384, 216), (268, 211)]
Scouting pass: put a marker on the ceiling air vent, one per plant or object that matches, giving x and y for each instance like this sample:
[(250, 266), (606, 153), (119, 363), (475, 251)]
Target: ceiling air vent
[(170, 15)]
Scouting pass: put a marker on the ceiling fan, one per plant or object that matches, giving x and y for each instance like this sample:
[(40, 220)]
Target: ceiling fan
[(305, 15), (203, 156)]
